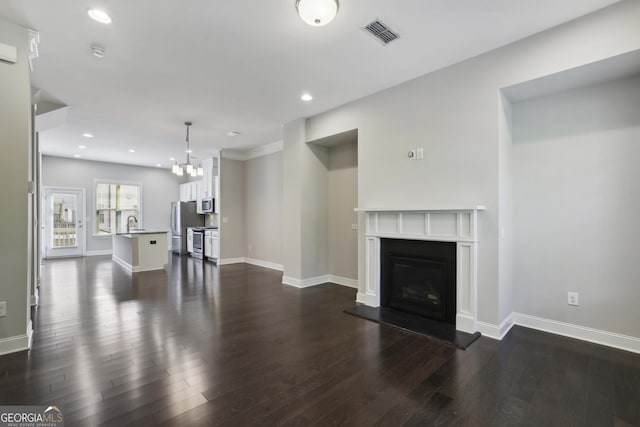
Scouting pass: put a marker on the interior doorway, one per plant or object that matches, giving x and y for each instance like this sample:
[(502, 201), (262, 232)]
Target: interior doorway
[(63, 222)]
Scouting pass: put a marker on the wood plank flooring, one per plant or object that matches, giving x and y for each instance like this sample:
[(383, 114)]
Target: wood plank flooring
[(232, 346)]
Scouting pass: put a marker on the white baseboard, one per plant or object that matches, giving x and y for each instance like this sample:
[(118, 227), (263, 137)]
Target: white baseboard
[(227, 261), (344, 281), (496, 331), (597, 336), (16, 343), (319, 280), (35, 298), (98, 253), (266, 264), (366, 299), (122, 263), (305, 283)]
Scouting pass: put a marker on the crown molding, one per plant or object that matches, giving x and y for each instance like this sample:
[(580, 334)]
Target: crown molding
[(253, 153)]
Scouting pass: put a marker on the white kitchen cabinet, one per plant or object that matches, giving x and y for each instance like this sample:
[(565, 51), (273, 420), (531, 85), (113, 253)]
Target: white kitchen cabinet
[(199, 196), (189, 240), (208, 243), (207, 179), (189, 191), (216, 247), (184, 192)]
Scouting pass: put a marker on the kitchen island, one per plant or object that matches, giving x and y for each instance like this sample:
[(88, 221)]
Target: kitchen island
[(141, 250)]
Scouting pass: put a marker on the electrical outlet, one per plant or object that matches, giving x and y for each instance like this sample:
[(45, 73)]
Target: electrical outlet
[(572, 298), (225, 220), (420, 153), (3, 308), (354, 226), (411, 154)]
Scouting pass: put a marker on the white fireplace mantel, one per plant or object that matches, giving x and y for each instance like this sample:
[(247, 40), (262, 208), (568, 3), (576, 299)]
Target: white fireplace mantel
[(458, 225)]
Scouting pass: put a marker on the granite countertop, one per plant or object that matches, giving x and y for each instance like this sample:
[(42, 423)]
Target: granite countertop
[(135, 231)]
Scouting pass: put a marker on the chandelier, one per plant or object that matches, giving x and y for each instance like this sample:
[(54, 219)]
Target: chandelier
[(188, 167)]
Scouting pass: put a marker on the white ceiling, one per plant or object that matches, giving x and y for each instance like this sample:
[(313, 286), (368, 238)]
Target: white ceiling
[(242, 65)]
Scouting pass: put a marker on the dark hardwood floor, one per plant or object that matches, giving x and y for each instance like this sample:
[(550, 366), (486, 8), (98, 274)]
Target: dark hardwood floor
[(232, 346)]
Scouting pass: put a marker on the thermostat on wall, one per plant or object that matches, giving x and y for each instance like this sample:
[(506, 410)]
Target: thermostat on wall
[(8, 53)]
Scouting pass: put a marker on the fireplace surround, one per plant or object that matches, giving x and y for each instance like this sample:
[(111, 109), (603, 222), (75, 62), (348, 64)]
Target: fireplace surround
[(455, 225)]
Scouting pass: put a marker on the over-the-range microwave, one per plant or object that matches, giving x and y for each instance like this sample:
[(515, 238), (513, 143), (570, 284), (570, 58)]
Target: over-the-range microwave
[(207, 205)]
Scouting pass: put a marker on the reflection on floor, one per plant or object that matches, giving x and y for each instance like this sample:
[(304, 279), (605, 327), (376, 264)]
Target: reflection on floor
[(202, 345)]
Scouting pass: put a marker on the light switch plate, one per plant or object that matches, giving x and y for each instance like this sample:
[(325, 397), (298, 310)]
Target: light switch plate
[(420, 153), (354, 226), (3, 308)]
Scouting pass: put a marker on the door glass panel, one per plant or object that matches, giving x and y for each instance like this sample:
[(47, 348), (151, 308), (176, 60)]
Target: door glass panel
[(64, 219)]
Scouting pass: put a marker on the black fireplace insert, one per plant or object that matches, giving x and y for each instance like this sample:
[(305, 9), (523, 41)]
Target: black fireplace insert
[(419, 277)]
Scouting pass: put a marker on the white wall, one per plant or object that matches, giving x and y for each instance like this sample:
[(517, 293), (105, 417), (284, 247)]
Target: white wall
[(576, 198), (505, 209), (159, 188), (454, 114), (263, 208), (232, 209), (15, 113), (343, 199)]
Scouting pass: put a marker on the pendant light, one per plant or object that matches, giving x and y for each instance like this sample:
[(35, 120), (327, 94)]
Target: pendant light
[(187, 167), (317, 12)]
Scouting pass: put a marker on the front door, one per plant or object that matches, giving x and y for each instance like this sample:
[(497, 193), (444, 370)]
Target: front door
[(64, 222)]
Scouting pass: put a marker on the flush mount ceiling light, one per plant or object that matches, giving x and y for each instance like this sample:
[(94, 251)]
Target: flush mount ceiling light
[(132, 150), (87, 135), (317, 12), (233, 133), (99, 15), (180, 169), (306, 97), (82, 147), (77, 156)]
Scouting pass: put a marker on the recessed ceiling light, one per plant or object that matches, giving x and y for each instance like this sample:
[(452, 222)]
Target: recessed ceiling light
[(132, 150), (87, 135), (188, 151), (233, 133), (77, 155), (99, 15), (158, 165), (172, 159), (306, 97), (82, 147)]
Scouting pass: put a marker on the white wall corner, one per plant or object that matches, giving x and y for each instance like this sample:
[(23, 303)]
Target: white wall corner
[(596, 336), (234, 155), (305, 283), (496, 332), (344, 281), (264, 150)]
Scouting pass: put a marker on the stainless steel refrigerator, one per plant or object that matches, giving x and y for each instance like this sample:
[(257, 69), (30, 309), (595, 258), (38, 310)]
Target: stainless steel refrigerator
[(183, 215)]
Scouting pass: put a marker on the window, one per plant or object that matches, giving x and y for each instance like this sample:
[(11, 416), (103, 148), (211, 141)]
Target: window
[(114, 204)]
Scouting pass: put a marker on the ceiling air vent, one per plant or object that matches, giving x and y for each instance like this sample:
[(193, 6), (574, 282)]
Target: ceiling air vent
[(381, 32)]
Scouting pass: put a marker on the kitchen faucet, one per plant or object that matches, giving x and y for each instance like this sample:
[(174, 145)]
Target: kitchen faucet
[(135, 222)]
